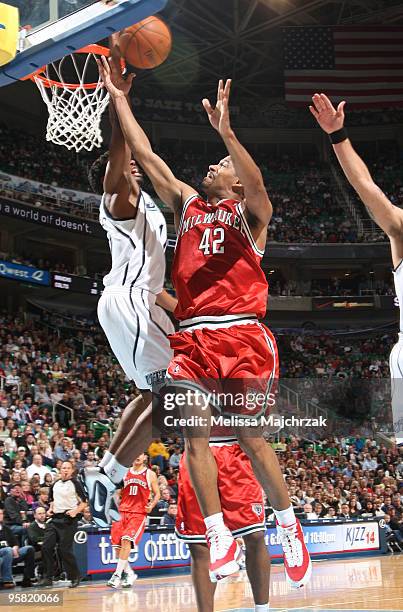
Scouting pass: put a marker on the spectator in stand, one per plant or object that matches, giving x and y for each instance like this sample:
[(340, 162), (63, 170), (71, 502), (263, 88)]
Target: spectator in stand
[(368, 510), (169, 518), (331, 513), (91, 460), (37, 467), (16, 511), (62, 451), (158, 453), (175, 458), (369, 463), (309, 513), (42, 397), (13, 553), (344, 512), (4, 459), (86, 518), (21, 456), (36, 530), (42, 500), (27, 493)]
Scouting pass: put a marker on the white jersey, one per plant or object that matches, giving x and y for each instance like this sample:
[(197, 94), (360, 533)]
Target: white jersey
[(137, 247), (398, 280)]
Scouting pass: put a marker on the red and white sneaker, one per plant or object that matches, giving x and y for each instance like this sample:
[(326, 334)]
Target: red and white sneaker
[(224, 553), (297, 562)]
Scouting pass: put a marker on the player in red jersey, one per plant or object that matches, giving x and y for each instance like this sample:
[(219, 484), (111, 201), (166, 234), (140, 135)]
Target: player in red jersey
[(140, 484), (222, 291), (243, 509)]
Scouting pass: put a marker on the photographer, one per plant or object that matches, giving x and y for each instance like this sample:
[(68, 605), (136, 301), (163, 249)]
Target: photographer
[(68, 500)]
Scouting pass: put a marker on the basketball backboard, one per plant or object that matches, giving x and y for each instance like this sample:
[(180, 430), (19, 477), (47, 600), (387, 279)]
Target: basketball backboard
[(55, 28)]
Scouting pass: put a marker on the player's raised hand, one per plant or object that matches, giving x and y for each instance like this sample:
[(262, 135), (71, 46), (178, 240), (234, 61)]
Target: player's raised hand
[(219, 115), (117, 66), (329, 118), (105, 71)]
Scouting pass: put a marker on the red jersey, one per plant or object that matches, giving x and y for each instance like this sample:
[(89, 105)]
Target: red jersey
[(217, 265), (136, 492)]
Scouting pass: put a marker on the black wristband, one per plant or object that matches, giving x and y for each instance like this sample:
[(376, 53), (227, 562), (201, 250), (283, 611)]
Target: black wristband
[(339, 136)]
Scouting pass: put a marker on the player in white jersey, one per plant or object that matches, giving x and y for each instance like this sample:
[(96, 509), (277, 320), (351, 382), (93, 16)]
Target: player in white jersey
[(130, 308), (384, 213)]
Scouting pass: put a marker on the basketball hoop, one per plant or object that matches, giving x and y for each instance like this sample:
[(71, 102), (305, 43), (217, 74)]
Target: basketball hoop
[(75, 108)]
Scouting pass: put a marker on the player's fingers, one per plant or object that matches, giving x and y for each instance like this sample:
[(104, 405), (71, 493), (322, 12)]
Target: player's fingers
[(227, 88), (326, 102), (207, 106), (320, 103), (340, 108), (314, 112), (316, 102), (100, 69), (220, 90)]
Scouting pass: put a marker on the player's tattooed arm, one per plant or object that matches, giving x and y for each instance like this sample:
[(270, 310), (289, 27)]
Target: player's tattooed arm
[(250, 177), (171, 190)]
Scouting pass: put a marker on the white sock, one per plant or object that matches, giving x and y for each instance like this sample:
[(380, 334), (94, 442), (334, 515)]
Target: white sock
[(129, 568), (262, 607), (105, 459), (115, 471), (285, 517), (214, 520), (121, 567)]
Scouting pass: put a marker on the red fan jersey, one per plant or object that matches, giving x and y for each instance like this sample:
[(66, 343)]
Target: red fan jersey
[(216, 268), (136, 492)]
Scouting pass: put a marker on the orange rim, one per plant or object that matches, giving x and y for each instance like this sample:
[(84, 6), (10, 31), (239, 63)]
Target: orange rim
[(95, 49)]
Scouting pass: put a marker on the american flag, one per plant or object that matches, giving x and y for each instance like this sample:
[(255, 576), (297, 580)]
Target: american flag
[(362, 64)]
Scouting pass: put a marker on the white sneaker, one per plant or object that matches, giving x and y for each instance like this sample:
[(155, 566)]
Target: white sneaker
[(128, 579), (100, 490), (297, 562), (224, 553), (114, 581)]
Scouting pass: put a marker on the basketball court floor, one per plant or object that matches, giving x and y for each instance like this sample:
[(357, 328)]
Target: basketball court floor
[(372, 584)]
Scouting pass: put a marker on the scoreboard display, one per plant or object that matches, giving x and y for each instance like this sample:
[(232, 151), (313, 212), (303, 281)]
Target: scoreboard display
[(77, 284)]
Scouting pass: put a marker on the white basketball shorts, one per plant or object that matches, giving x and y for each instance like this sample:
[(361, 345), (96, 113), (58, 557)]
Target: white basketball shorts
[(137, 331)]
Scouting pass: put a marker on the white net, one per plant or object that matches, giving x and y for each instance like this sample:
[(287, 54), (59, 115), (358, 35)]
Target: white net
[(75, 106)]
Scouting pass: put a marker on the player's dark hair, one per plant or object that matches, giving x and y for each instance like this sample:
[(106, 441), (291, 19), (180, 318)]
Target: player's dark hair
[(96, 173)]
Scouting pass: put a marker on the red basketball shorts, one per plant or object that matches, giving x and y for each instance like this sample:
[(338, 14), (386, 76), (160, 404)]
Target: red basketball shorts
[(240, 493), (236, 360), (130, 527)]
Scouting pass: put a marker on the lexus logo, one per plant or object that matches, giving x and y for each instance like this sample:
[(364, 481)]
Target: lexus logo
[(80, 537), (382, 524)]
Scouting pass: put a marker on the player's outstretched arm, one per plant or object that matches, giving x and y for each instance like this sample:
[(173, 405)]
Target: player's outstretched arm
[(257, 200), (119, 152), (385, 214), (171, 191)]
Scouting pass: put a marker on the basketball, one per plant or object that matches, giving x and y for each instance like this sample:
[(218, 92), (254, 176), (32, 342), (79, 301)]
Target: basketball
[(147, 43)]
